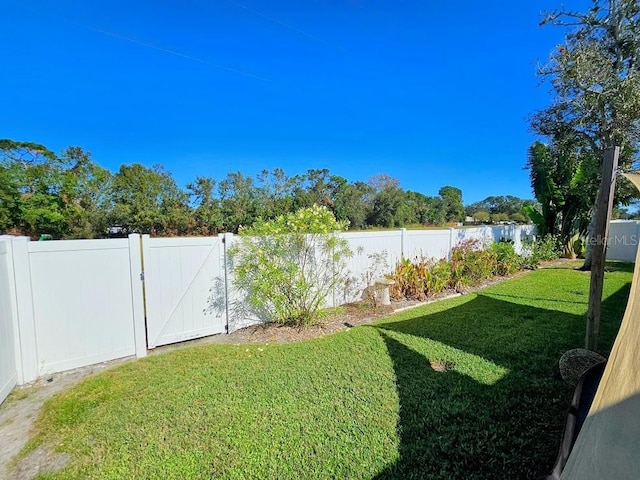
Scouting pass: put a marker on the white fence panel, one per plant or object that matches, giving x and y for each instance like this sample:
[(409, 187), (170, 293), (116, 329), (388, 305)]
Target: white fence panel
[(239, 314), (365, 245), (483, 234), (488, 234), (518, 233), (623, 238), (8, 370), (184, 288), (83, 311), (429, 243)]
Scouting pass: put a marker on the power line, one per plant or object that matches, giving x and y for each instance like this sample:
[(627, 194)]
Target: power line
[(166, 50), (148, 45), (281, 23)]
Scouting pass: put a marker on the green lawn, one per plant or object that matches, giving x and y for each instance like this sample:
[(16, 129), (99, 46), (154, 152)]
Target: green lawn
[(364, 403)]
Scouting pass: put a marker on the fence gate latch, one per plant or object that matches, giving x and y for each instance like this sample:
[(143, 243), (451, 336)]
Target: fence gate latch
[(142, 276)]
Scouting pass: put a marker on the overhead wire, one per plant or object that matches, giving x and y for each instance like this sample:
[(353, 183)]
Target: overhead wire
[(149, 45), (276, 21)]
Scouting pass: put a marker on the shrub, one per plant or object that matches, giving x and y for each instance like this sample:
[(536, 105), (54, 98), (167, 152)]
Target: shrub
[(575, 246), (378, 268), (288, 267), (508, 261), (410, 279), (470, 264), (420, 279), (439, 276), (544, 249)]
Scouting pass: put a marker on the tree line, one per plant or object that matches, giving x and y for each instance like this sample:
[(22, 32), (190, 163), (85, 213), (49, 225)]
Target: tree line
[(69, 195), (496, 209)]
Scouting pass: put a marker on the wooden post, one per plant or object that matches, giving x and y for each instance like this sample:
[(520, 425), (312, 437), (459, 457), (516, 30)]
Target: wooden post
[(604, 205)]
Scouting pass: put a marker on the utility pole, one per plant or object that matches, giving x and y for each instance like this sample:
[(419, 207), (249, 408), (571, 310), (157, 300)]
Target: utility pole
[(604, 205)]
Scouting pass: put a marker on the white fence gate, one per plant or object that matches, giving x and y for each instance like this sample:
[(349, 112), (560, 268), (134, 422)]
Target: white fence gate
[(184, 279)]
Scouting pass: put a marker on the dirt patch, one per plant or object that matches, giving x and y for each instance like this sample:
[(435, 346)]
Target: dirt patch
[(39, 461), (442, 367), (17, 415)]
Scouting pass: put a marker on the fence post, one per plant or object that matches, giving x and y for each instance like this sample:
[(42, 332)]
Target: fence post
[(403, 231), (27, 364), (11, 284), (136, 269), (227, 240)]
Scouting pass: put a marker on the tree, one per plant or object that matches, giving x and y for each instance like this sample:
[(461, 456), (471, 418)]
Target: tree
[(383, 181), (388, 207), (312, 188), (499, 204), (518, 217), (9, 199), (274, 194), (499, 217), (45, 193), (564, 181), (481, 216), (596, 80), (147, 200), (452, 203), (423, 209), (207, 214), (239, 201), (84, 194), (352, 202), (32, 183)]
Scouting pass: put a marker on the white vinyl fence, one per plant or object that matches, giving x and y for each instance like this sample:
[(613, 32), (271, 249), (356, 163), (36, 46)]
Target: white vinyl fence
[(67, 304), (8, 370), (181, 275), (386, 248), (433, 243), (75, 303), (622, 243), (81, 294)]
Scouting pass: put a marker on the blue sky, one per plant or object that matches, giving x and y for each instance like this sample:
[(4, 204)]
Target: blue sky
[(432, 93)]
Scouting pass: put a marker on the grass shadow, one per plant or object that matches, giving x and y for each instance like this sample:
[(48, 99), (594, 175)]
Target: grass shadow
[(467, 424), (615, 266)]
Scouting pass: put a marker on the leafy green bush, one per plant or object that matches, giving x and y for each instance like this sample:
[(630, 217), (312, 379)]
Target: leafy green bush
[(439, 276), (289, 266), (508, 261), (544, 249), (471, 264)]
